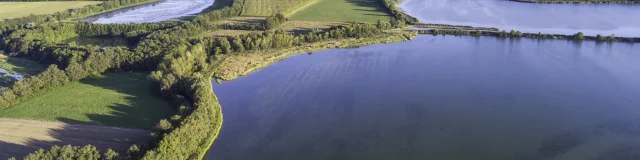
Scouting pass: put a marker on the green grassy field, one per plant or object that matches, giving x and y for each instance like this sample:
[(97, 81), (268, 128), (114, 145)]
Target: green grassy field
[(268, 7), (115, 99), (20, 66), (344, 11), (10, 10)]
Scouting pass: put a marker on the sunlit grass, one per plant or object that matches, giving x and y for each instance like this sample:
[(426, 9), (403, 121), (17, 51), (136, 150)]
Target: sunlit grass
[(9, 10), (115, 99), (344, 11)]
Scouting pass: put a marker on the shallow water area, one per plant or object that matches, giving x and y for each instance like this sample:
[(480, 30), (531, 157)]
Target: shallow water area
[(591, 19), (438, 97), (153, 12)]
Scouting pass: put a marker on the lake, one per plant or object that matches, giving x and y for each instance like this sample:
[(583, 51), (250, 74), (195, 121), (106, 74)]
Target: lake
[(152, 12), (438, 97), (590, 19)]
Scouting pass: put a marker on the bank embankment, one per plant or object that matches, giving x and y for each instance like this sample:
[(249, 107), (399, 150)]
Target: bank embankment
[(233, 66), (578, 36), (452, 27)]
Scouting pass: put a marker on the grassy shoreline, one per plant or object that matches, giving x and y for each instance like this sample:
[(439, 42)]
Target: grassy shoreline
[(578, 1), (217, 108), (517, 34), (234, 66)]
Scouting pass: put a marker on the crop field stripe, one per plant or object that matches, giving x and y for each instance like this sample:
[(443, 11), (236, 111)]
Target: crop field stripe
[(304, 6)]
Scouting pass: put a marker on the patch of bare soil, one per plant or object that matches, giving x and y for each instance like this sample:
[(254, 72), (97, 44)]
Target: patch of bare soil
[(21, 137)]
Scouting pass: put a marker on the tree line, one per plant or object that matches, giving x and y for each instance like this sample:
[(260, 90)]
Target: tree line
[(25, 22), (397, 13)]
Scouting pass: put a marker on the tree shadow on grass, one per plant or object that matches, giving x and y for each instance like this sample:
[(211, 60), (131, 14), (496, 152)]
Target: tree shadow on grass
[(374, 5), (8, 150), (143, 108)]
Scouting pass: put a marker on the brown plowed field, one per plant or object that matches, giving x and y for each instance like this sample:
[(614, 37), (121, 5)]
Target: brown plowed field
[(21, 137)]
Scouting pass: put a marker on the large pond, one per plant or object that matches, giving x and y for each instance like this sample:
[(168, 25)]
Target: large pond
[(591, 19), (153, 12), (453, 98)]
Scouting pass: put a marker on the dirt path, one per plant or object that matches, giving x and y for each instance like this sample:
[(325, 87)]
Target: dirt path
[(20, 137)]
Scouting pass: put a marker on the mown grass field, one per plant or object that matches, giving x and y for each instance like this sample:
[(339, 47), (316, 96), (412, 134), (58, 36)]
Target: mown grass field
[(344, 11), (9, 10), (115, 99), (268, 7)]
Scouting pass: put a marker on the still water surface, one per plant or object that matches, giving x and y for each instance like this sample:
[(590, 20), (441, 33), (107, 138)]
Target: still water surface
[(592, 19), (153, 12), (454, 98)]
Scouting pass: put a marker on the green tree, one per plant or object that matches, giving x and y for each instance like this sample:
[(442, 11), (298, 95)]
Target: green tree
[(579, 36), (111, 155), (225, 45), (133, 153)]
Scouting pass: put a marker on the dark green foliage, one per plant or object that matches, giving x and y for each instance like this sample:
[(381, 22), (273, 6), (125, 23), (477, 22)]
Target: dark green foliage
[(164, 126), (67, 152), (397, 13), (600, 38), (274, 21), (133, 153), (579, 36)]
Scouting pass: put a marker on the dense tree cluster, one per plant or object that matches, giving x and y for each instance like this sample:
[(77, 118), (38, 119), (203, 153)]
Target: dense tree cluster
[(242, 26), (90, 63), (120, 30), (275, 20), (87, 152), (397, 13)]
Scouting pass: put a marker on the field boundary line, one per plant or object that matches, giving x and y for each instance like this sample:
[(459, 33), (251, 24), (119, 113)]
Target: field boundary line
[(298, 9)]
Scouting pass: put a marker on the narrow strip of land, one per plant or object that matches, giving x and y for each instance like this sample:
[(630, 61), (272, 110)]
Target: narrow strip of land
[(20, 137)]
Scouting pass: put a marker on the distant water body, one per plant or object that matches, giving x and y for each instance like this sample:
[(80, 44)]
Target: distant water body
[(154, 12), (438, 98), (591, 19)]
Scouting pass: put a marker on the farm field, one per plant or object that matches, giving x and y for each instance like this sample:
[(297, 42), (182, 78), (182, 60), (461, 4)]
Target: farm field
[(114, 99), (20, 137), (268, 7), (344, 11), (20, 66), (10, 10)]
